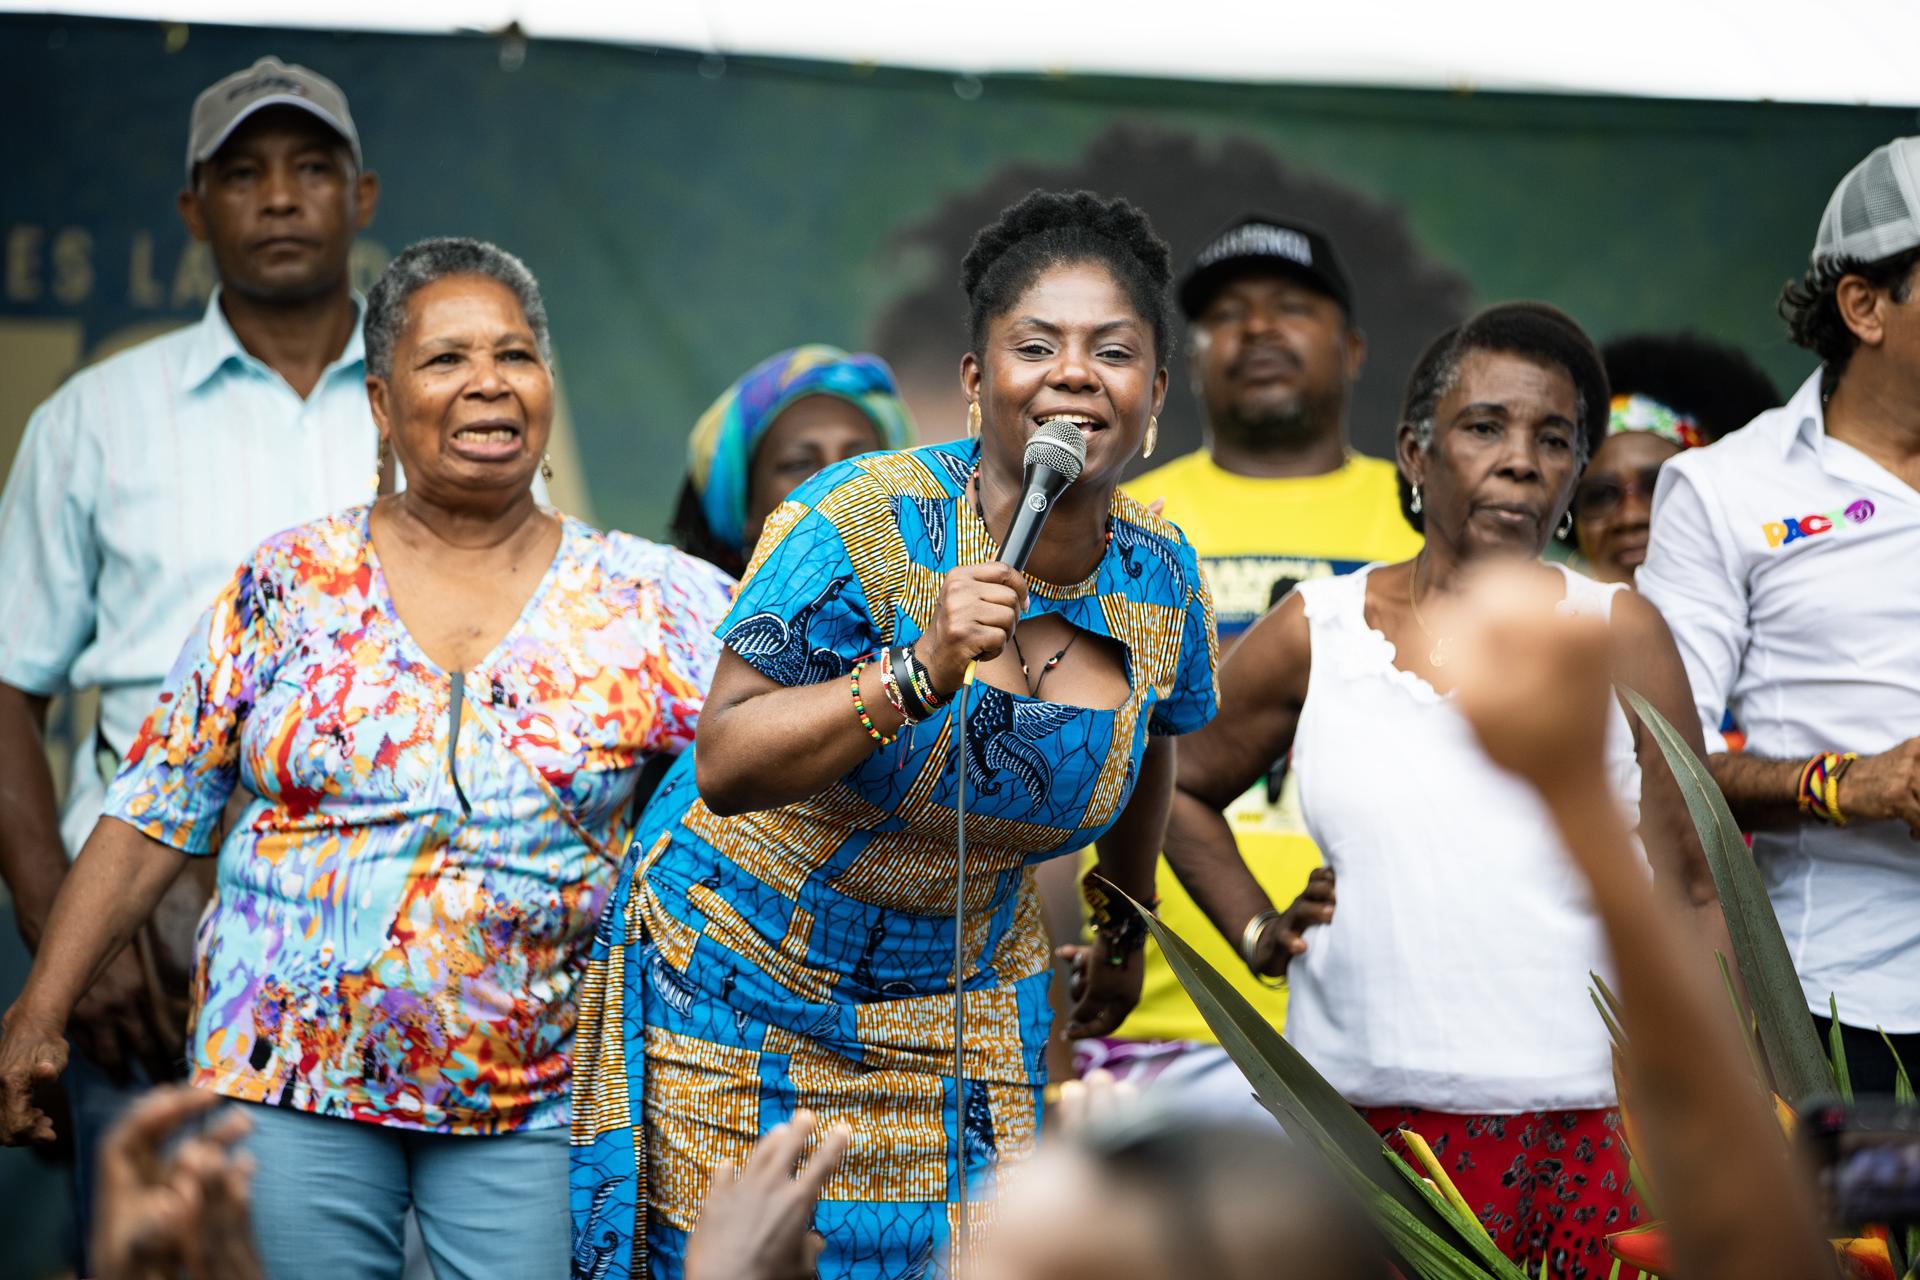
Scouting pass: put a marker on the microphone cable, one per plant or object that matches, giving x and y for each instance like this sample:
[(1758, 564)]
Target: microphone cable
[(959, 973), (1061, 451)]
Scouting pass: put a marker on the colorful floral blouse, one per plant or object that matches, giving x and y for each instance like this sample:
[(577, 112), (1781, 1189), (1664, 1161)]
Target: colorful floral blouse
[(397, 930)]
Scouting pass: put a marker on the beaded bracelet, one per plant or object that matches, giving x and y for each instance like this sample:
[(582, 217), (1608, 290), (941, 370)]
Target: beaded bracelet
[(860, 708), (913, 708), (923, 681), (1819, 788), (1117, 924)]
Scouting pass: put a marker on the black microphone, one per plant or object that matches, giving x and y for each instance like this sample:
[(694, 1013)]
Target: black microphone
[(1053, 460)]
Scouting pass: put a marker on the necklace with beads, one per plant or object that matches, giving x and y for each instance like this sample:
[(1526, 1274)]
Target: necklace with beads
[(1046, 668)]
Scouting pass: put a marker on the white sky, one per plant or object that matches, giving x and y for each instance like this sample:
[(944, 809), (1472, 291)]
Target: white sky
[(1841, 51)]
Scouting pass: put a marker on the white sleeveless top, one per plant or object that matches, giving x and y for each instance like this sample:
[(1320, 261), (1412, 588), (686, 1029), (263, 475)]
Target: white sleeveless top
[(1454, 975)]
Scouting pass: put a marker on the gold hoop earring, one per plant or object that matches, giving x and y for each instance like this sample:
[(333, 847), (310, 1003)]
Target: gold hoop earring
[(546, 466), (1153, 435), (380, 459), (973, 419)]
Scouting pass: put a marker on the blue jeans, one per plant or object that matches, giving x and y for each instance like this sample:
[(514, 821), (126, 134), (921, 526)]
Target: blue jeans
[(330, 1199), (97, 1101)]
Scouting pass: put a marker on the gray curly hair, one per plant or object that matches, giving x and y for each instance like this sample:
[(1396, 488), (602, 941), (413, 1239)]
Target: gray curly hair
[(425, 261)]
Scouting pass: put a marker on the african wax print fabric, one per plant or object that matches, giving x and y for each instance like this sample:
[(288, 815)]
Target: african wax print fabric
[(803, 956), (395, 938)]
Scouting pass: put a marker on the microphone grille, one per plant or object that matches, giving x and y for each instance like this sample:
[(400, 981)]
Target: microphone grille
[(1058, 446)]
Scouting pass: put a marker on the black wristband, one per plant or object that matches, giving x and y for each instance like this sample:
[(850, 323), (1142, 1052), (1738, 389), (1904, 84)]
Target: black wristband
[(920, 676), (900, 663)]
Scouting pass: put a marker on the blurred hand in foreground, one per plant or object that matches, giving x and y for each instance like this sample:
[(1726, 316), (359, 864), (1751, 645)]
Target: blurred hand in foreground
[(174, 1203), (1095, 1098), (756, 1222), (1531, 679)]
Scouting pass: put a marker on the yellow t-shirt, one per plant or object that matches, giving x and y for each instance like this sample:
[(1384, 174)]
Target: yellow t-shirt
[(1251, 533)]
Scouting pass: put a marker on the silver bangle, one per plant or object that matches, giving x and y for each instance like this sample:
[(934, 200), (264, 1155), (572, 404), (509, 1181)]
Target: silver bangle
[(1250, 936)]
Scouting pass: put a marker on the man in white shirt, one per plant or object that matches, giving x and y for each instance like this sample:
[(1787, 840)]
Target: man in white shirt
[(1786, 559), (146, 479)]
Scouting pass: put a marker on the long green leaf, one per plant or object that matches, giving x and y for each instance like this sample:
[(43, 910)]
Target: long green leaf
[(1896, 1259), (1618, 1036), (1759, 949), (1743, 1021), (1462, 1220), (1313, 1113), (1902, 1082), (1837, 1052)]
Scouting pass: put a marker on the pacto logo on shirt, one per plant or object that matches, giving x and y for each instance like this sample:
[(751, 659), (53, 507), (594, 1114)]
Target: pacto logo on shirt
[(1780, 532)]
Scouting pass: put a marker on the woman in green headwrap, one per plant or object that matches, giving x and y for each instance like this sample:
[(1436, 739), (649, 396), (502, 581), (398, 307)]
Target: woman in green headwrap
[(791, 415)]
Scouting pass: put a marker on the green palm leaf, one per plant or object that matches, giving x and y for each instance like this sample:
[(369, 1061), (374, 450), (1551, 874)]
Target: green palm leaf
[(1419, 1225), (1800, 1070)]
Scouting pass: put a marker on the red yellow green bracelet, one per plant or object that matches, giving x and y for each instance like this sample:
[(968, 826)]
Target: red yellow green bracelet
[(860, 708)]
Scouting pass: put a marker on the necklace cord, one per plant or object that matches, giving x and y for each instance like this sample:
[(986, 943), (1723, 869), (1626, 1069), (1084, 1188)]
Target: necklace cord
[(1438, 655)]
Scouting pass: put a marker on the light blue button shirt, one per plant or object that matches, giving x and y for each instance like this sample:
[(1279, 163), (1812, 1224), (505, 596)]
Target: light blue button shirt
[(139, 487)]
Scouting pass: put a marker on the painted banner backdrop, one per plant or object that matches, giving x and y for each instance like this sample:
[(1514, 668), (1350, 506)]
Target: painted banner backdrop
[(689, 215)]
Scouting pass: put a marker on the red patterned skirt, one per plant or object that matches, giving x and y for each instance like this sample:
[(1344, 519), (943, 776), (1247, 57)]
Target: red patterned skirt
[(1545, 1184)]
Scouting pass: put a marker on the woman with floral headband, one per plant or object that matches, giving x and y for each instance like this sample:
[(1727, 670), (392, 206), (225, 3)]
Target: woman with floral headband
[(1670, 392)]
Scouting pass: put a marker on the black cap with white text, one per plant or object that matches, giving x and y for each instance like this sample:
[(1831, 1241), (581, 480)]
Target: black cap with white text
[(1258, 242)]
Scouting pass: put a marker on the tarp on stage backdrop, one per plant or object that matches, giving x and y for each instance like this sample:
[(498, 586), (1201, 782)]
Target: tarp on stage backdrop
[(689, 214)]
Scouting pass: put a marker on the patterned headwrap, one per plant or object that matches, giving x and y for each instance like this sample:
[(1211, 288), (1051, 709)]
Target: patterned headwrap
[(1644, 413), (720, 450)]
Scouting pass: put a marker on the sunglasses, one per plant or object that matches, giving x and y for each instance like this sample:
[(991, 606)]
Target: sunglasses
[(1601, 496)]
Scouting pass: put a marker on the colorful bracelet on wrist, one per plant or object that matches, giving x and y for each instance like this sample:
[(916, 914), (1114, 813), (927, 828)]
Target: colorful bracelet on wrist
[(913, 708), (860, 708), (1113, 919), (923, 680), (1819, 788)]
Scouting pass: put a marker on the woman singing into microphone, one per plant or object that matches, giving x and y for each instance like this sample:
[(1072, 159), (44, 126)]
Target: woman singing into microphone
[(783, 933)]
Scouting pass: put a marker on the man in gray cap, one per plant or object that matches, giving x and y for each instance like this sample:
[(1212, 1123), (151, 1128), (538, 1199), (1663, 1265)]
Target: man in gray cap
[(1783, 558), (146, 478)]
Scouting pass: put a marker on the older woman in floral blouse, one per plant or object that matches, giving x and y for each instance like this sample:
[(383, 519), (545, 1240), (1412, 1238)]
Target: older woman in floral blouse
[(440, 704)]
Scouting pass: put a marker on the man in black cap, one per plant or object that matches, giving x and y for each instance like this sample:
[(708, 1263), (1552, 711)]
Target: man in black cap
[(1276, 496)]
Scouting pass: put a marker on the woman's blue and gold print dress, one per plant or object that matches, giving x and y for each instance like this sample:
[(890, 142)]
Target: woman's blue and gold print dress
[(800, 957)]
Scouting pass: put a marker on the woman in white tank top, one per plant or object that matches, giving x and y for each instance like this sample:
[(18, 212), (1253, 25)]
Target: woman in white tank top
[(1447, 989)]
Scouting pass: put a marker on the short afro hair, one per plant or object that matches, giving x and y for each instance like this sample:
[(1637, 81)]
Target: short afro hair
[(1531, 329), (1811, 307), (1716, 385), (1049, 229)]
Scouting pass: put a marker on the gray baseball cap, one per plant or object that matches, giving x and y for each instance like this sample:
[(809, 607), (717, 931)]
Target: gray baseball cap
[(219, 110), (1875, 211)]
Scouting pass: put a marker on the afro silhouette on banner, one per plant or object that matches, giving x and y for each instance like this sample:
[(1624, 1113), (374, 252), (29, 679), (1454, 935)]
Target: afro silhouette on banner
[(1191, 187)]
